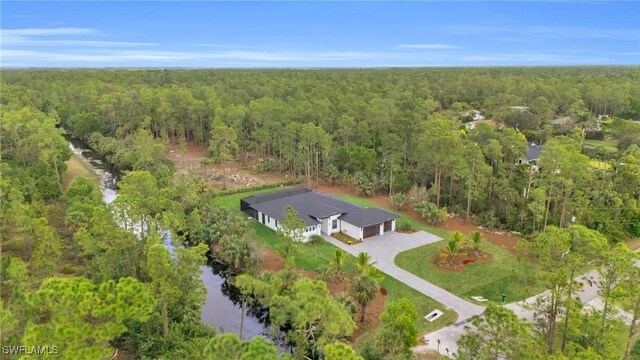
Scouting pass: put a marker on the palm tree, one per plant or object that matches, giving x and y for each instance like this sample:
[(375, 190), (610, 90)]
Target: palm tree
[(236, 252), (363, 262), (347, 302), (453, 245), (337, 261), (374, 274), (364, 290), (476, 238)]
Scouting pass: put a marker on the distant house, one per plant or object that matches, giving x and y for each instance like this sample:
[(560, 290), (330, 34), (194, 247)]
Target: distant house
[(519, 108), (322, 213), (564, 123), (532, 155), (473, 124), (475, 115)]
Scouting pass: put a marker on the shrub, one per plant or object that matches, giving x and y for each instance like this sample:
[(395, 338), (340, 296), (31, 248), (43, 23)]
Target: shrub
[(258, 187), (315, 240), (404, 225), (398, 200), (265, 165), (430, 212)]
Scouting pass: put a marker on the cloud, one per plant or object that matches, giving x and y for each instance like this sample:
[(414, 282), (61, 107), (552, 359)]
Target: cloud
[(534, 59), (544, 31), (37, 37), (29, 57), (47, 31), (427, 46)]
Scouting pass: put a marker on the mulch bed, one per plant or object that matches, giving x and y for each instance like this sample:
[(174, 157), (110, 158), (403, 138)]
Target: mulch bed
[(457, 262)]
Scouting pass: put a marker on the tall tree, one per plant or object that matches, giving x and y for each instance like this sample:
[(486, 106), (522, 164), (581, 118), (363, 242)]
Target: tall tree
[(223, 143), (364, 291), (82, 318), (399, 331), (497, 334)]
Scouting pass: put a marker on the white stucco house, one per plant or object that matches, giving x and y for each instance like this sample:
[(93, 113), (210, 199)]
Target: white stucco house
[(322, 213)]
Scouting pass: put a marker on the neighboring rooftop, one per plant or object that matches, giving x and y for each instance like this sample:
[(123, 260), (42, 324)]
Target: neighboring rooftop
[(312, 206), (534, 152)]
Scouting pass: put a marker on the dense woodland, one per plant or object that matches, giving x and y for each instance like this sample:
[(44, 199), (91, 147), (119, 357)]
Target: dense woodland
[(94, 278), (383, 130)]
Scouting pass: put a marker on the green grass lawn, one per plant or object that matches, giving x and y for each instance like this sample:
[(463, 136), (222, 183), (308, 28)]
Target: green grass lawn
[(504, 274), (313, 257), (599, 164), (610, 144), (415, 223)]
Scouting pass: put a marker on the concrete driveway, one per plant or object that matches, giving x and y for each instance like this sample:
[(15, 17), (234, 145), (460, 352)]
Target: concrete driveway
[(383, 250)]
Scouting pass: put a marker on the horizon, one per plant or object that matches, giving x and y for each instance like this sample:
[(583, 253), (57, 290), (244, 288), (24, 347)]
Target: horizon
[(319, 35)]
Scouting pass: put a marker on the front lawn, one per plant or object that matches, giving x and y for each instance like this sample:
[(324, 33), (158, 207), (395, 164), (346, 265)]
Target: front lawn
[(609, 144), (313, 257), (503, 274), (415, 223)]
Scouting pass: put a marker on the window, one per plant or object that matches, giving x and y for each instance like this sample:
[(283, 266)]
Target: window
[(335, 224)]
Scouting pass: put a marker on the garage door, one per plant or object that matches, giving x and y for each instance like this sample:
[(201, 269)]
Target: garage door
[(387, 226), (372, 230)]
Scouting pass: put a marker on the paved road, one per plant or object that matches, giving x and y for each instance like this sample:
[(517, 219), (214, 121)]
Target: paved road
[(383, 250), (448, 336)]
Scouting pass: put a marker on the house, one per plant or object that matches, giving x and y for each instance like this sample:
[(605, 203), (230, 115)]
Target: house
[(532, 155), (520, 108), (475, 115), (321, 213), (565, 123), (473, 124)]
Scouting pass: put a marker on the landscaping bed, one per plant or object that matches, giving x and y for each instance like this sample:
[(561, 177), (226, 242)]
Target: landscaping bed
[(345, 238), (458, 261)]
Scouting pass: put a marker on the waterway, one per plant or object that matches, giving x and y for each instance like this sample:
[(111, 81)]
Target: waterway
[(222, 308)]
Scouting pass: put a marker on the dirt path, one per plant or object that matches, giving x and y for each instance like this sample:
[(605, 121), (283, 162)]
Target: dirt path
[(452, 223)]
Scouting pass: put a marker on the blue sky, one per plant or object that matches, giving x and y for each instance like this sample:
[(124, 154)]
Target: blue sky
[(318, 34)]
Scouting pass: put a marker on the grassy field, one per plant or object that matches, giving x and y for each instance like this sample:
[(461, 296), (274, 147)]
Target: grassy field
[(76, 167), (608, 144), (502, 275), (313, 257), (416, 224), (599, 164)]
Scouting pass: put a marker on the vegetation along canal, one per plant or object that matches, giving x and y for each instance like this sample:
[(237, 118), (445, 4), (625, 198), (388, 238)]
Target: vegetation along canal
[(222, 308)]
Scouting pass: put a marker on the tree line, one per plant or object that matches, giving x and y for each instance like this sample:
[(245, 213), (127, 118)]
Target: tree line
[(380, 130)]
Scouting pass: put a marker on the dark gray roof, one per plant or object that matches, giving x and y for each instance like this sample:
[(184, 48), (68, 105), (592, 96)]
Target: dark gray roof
[(273, 195), (312, 205), (534, 152)]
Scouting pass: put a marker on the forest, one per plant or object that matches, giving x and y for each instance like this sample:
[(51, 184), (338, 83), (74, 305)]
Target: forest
[(91, 278)]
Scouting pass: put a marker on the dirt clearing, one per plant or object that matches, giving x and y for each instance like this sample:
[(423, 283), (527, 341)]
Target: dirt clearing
[(226, 175)]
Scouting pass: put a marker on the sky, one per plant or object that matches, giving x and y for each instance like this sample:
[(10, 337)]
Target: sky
[(318, 34)]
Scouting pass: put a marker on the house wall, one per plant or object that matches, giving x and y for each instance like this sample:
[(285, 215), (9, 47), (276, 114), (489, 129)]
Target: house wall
[(271, 223), (324, 226), (351, 230), (313, 230)]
